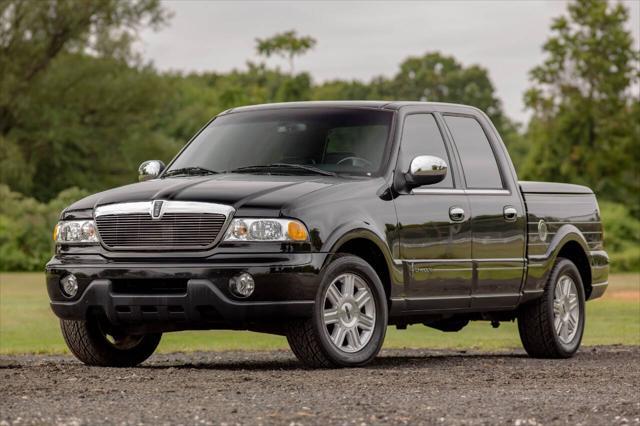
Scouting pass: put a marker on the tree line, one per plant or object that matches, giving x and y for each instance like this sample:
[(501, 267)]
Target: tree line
[(80, 108)]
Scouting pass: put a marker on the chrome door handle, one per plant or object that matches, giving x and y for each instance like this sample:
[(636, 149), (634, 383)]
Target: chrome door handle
[(510, 213), (456, 214)]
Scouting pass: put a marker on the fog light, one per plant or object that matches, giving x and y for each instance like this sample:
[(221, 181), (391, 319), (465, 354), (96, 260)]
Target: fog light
[(242, 285), (69, 285)]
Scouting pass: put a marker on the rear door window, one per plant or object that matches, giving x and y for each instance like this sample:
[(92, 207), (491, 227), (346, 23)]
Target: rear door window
[(478, 160)]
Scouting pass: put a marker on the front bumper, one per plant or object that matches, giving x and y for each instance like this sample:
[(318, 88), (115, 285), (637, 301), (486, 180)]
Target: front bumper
[(285, 288)]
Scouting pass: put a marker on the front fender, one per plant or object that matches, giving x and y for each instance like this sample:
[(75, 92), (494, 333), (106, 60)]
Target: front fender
[(362, 230)]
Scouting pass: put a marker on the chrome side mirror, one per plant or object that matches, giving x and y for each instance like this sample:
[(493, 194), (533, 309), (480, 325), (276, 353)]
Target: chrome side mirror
[(150, 170), (426, 170)]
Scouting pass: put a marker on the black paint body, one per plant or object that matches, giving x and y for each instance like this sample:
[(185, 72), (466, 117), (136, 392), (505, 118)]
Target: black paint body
[(432, 268)]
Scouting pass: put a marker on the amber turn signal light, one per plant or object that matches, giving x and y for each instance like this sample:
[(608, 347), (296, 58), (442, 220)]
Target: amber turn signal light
[(297, 231)]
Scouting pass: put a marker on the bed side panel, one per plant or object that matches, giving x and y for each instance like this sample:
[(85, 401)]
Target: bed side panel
[(562, 213)]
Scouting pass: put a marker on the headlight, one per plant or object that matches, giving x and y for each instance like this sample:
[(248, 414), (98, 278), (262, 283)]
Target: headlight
[(76, 231), (266, 230)]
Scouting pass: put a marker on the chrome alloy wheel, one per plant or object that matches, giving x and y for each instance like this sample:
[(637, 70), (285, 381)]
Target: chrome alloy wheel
[(349, 312), (566, 309)]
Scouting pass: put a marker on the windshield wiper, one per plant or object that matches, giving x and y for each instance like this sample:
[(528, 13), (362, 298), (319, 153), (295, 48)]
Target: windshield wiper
[(190, 171), (266, 167)]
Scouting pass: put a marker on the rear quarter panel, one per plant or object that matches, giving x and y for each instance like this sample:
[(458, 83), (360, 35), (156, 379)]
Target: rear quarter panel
[(567, 217)]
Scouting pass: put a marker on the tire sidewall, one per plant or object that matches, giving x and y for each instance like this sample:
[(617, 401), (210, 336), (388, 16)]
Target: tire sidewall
[(566, 267), (340, 265), (120, 357)]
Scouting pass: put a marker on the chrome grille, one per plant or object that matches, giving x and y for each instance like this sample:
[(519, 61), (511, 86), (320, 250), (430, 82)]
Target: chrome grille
[(171, 231)]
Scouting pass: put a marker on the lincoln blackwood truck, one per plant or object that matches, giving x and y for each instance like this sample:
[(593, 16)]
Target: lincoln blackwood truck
[(326, 222)]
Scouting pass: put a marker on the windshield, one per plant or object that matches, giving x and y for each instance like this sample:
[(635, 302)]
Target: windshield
[(334, 140)]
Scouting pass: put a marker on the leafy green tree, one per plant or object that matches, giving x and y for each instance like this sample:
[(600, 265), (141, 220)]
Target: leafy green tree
[(585, 127), (434, 77), (70, 84), (34, 33), (287, 45)]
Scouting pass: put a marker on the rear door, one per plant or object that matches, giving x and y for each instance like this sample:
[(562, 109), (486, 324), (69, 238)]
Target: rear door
[(497, 214), (435, 250)]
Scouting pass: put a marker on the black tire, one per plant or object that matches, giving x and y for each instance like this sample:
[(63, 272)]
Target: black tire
[(536, 319), (87, 341), (309, 339)]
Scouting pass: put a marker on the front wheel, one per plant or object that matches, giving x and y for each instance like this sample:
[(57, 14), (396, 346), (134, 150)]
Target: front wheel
[(94, 343), (349, 322), (552, 325)]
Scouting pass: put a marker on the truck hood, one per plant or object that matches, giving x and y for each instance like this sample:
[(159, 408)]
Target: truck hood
[(237, 190)]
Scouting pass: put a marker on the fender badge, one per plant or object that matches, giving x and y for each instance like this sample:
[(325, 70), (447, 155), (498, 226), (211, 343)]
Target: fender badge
[(543, 231), (157, 209)]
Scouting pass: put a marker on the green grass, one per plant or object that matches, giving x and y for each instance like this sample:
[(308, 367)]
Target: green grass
[(27, 325)]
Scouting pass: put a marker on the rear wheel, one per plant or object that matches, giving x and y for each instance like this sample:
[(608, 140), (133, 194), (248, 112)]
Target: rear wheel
[(552, 326), (349, 322), (94, 343)]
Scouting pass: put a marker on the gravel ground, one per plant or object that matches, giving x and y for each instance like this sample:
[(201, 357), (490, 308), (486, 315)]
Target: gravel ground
[(601, 385)]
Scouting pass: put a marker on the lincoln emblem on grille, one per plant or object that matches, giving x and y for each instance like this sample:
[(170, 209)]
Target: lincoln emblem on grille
[(157, 209)]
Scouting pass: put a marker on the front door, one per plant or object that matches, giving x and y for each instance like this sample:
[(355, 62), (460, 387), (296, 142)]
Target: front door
[(434, 226)]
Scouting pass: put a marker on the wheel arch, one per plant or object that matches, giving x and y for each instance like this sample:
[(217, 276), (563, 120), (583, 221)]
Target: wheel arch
[(372, 249), (569, 243)]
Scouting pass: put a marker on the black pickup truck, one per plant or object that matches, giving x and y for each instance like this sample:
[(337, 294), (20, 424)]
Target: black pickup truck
[(326, 222)]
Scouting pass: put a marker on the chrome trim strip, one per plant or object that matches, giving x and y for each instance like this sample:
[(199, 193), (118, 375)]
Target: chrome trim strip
[(600, 284), (440, 191), (124, 208), (487, 192), (493, 260), (167, 207), (500, 268), (446, 191), (567, 222)]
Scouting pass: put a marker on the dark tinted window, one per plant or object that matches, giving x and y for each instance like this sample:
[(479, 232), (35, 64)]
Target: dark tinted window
[(349, 141), (421, 136), (478, 162)]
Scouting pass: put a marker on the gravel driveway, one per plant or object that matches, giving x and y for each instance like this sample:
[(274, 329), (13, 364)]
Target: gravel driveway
[(601, 385)]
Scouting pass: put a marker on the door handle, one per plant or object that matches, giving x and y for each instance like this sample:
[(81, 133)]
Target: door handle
[(456, 214), (510, 213)]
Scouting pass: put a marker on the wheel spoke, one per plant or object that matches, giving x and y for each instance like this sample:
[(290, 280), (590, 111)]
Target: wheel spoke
[(334, 295), (556, 308), (558, 290), (362, 297), (558, 325), (353, 337), (347, 285), (573, 303), (564, 333), (366, 322), (338, 335), (331, 316), (573, 320)]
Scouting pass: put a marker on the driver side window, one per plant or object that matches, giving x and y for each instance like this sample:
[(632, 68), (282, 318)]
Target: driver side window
[(421, 136)]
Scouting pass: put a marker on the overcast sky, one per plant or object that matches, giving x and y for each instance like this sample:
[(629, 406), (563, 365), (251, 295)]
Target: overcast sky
[(359, 40)]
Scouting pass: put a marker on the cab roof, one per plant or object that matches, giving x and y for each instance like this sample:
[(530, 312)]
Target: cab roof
[(389, 105)]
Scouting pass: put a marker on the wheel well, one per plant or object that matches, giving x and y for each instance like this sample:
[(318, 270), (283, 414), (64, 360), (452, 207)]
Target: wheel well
[(575, 253), (370, 253)]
